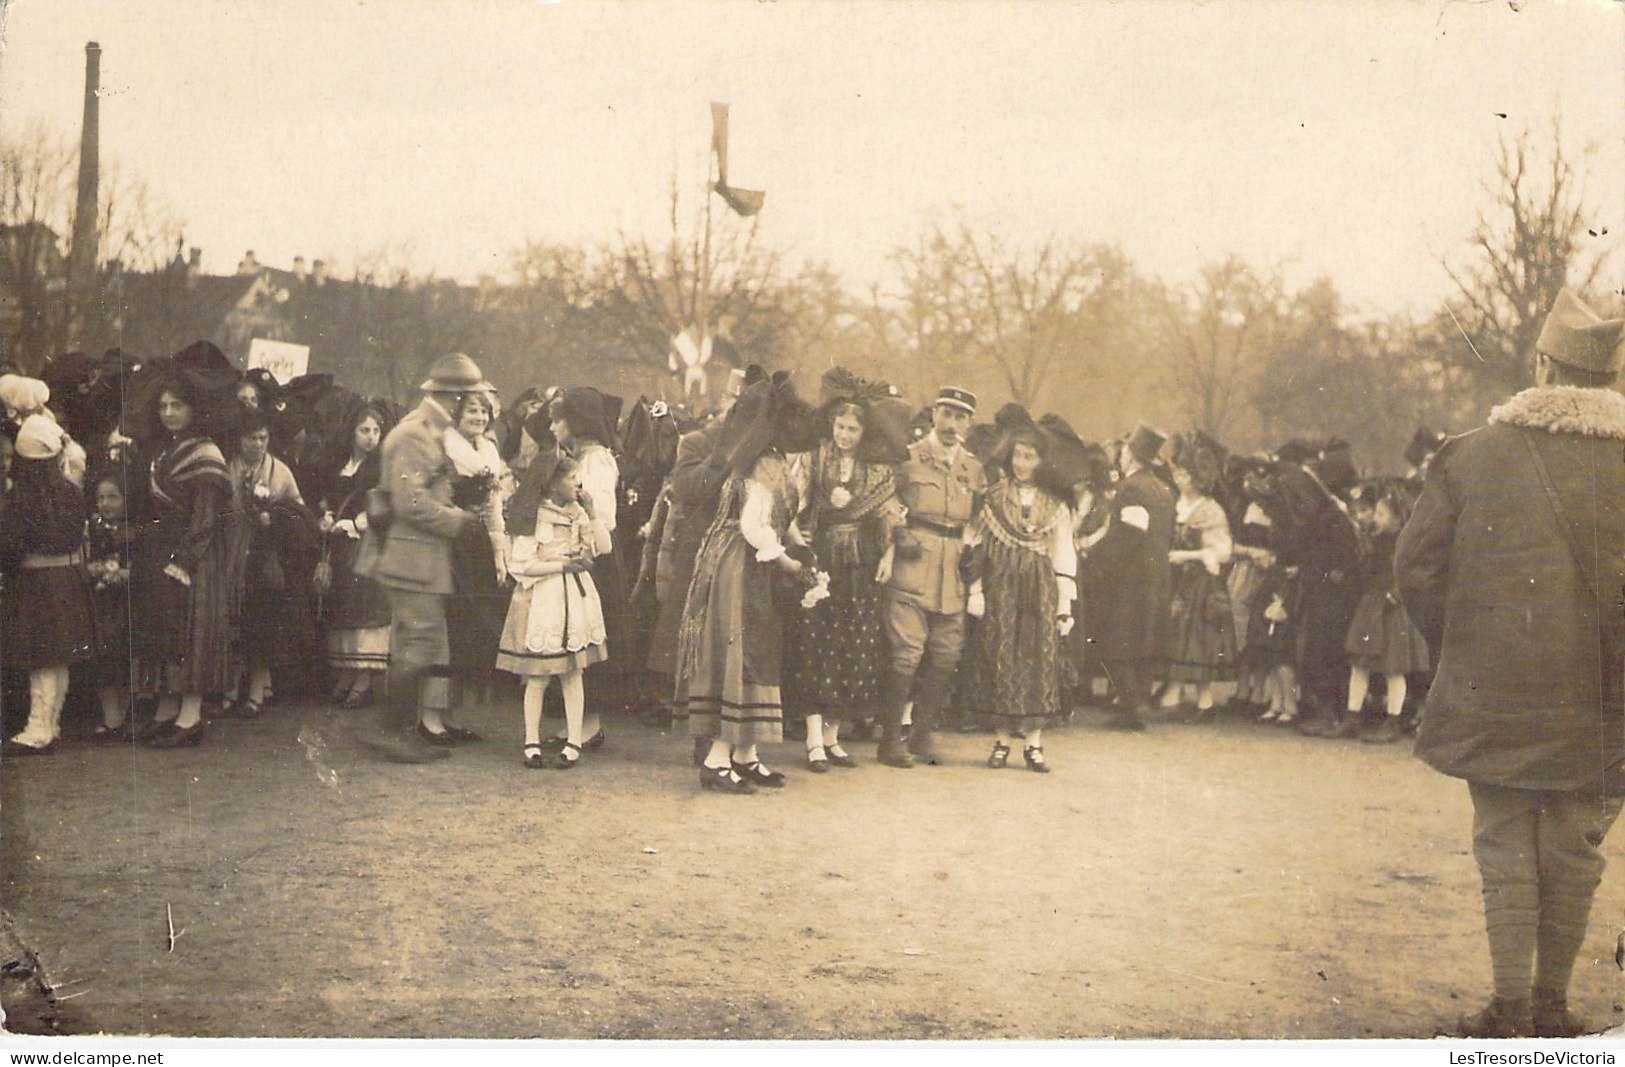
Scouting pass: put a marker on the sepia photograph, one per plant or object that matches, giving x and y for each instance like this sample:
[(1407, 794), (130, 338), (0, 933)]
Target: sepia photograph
[(816, 524)]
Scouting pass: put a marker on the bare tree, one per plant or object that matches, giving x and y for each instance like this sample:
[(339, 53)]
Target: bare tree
[(1220, 332), (42, 315), (35, 171), (1524, 251)]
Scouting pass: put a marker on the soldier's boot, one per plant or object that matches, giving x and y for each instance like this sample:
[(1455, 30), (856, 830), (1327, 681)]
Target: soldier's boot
[(388, 736), (891, 750), (930, 698)]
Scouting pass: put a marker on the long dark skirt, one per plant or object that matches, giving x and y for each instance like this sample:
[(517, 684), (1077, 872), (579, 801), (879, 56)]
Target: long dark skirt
[(836, 656), (477, 607), (1017, 638), (1202, 628)]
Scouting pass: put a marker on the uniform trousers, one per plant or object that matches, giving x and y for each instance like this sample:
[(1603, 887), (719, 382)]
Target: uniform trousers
[(419, 657), (1539, 855), (913, 631)]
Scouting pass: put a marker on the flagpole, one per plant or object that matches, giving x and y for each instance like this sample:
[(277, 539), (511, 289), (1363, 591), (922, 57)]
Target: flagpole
[(702, 304)]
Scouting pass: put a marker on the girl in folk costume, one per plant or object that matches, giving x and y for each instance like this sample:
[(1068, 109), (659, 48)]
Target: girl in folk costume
[(730, 643), (555, 624), (275, 618), (112, 547), (481, 484), (357, 608), (187, 580), (1202, 632), (849, 512), (581, 425), (1382, 639), (1026, 581), (42, 549)]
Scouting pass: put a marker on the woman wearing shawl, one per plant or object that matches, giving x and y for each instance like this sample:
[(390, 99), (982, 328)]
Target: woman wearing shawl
[(730, 644), (1202, 630), (1022, 593), (848, 514), (187, 580)]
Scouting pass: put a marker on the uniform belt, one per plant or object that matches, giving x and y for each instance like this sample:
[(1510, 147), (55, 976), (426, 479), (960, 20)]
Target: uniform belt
[(39, 563), (941, 529)]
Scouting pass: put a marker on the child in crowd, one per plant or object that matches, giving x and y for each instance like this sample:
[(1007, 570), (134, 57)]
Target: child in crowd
[(42, 549), (112, 535), (555, 623), (1381, 638)]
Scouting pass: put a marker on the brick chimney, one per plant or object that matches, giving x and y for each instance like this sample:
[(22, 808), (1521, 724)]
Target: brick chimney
[(299, 268), (318, 271), (82, 251), (248, 264)]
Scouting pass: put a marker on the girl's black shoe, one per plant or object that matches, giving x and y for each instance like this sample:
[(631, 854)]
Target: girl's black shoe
[(1034, 755), (563, 762), (999, 756), (754, 773), (534, 758), (443, 738), (596, 741), (722, 780), (180, 736)]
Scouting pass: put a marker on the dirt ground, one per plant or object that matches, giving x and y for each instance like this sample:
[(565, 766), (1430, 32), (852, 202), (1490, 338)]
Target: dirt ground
[(1217, 881)]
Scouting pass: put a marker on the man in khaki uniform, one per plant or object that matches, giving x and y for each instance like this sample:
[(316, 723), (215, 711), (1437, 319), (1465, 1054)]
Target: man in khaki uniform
[(408, 552), (941, 485)]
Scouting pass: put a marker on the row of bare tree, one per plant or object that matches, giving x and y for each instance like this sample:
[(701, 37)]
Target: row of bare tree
[(1065, 326)]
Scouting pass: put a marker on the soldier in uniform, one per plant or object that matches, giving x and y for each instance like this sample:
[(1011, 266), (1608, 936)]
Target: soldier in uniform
[(941, 485), (1511, 566), (409, 554)]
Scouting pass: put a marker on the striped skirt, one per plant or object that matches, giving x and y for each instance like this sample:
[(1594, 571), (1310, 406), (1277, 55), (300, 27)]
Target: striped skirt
[(711, 683)]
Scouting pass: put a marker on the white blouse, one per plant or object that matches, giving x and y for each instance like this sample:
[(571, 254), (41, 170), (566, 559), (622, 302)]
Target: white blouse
[(600, 475)]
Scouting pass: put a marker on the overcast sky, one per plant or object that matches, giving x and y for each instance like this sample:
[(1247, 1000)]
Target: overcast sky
[(1337, 137)]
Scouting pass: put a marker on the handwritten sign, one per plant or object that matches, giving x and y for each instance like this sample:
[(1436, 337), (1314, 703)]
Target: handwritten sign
[(285, 361)]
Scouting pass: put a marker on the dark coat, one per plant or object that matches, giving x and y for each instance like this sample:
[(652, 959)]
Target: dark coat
[(1528, 691), (1320, 540), (694, 489), (1132, 565)]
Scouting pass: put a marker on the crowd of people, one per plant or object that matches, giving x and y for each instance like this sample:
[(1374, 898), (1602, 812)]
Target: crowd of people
[(185, 540), (176, 535)]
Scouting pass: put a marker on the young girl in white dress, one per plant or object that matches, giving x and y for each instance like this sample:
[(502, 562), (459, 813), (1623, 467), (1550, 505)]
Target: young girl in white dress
[(555, 624)]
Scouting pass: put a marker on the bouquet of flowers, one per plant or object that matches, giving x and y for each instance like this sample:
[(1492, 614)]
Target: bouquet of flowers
[(817, 588), (472, 493)]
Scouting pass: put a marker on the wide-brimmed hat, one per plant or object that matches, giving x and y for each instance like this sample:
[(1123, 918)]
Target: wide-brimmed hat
[(1578, 337), (1069, 459), (455, 373), (886, 415), (768, 415)]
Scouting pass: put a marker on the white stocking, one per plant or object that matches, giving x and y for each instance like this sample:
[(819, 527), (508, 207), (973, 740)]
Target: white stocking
[(575, 704), (1396, 693), (535, 689)]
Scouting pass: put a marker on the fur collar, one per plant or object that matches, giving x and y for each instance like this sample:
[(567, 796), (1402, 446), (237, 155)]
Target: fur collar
[(471, 459), (1565, 409)]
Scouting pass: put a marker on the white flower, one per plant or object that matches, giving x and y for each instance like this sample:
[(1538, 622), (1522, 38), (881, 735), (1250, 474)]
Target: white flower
[(819, 590), (840, 497), (262, 492)]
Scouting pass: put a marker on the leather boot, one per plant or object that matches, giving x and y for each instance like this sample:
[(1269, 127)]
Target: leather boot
[(931, 697), (891, 750)]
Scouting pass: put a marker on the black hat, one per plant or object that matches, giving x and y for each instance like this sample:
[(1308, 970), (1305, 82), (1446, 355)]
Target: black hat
[(1423, 444)]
